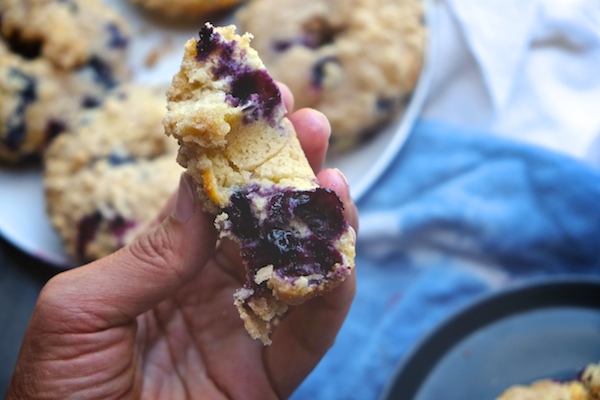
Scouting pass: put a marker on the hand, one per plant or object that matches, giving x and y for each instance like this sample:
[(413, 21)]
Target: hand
[(156, 319)]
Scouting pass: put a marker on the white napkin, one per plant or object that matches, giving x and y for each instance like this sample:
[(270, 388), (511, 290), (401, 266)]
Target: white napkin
[(528, 70)]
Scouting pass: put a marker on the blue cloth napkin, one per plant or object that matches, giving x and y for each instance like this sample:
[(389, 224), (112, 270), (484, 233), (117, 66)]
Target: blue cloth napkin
[(459, 214)]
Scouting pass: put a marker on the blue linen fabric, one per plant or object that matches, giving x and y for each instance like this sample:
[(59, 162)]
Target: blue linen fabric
[(459, 214)]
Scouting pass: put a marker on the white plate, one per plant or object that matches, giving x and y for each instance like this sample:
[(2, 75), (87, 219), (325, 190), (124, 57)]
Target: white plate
[(23, 219)]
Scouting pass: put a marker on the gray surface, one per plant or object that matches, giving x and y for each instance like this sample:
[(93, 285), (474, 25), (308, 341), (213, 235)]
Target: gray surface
[(21, 279)]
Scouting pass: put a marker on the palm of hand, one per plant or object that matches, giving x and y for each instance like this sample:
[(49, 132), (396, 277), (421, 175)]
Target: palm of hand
[(192, 345)]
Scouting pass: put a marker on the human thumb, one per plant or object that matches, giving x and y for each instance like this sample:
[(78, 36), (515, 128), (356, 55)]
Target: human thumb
[(123, 285)]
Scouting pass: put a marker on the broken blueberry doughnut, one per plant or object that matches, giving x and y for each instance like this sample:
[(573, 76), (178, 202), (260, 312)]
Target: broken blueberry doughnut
[(57, 58), (235, 140), (586, 386), (340, 57), (110, 174)]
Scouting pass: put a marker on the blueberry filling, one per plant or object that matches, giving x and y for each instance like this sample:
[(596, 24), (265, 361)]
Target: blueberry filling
[(311, 209), (208, 43), (117, 40), (253, 90), (244, 223), (257, 89), (318, 71), (90, 225), (16, 126), (270, 241)]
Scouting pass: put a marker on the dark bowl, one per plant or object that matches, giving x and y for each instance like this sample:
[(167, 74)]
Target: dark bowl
[(549, 328)]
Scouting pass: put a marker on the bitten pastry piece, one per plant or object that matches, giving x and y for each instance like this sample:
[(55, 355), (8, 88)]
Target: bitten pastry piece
[(357, 61), (229, 118), (187, 8), (587, 387), (111, 173)]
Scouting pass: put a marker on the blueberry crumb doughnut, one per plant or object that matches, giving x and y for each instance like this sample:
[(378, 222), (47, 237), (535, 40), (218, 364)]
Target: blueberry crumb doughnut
[(586, 387), (238, 145), (108, 176), (357, 61), (187, 8)]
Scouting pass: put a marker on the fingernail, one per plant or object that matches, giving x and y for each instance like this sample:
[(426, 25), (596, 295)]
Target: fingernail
[(341, 174), (186, 198), (346, 184)]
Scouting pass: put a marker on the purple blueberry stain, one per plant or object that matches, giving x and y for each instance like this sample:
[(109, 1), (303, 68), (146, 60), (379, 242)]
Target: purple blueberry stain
[(89, 227), (117, 39), (259, 90), (209, 41), (253, 90), (281, 46), (16, 125), (244, 224), (310, 208), (318, 72), (270, 241), (119, 226)]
